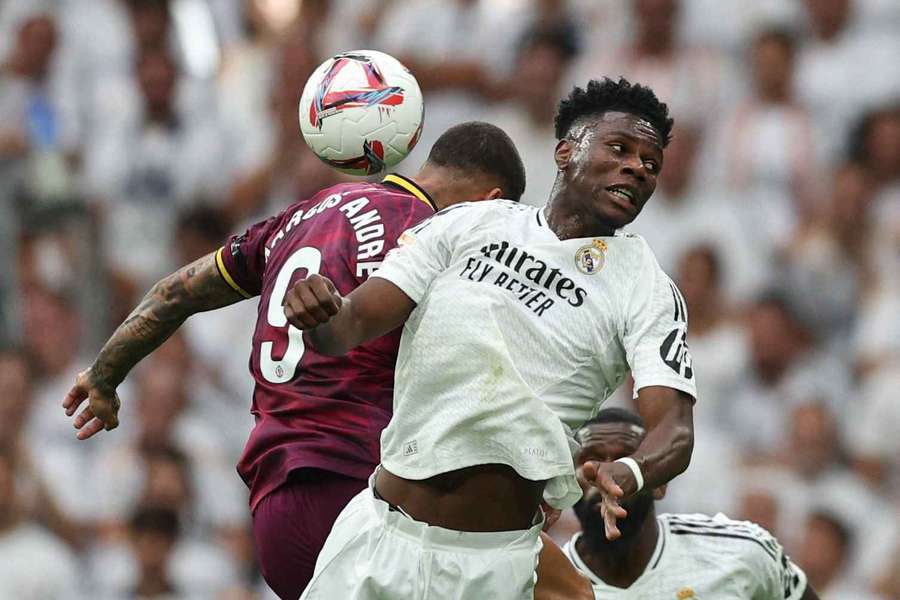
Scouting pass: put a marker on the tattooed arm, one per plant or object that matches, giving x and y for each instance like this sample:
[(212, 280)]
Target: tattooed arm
[(194, 288)]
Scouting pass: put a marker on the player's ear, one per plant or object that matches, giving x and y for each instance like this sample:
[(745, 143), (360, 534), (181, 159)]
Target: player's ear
[(563, 154), (494, 194), (660, 492)]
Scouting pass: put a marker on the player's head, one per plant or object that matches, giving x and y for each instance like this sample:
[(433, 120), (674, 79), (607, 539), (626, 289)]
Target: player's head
[(473, 161), (613, 433), (610, 151)]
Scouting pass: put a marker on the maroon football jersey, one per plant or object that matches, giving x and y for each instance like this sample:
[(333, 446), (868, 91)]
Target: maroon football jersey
[(313, 410)]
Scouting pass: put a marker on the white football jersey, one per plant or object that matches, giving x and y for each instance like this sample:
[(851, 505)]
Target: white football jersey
[(699, 557), (517, 339)]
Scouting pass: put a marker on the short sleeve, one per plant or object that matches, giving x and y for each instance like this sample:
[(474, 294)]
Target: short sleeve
[(242, 260), (777, 577), (655, 332), (423, 252)]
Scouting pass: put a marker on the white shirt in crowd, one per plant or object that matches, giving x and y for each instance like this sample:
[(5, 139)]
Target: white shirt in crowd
[(518, 338), (698, 556), (36, 566)]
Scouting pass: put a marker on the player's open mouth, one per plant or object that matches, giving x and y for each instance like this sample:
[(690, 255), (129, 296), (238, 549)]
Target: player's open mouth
[(625, 193)]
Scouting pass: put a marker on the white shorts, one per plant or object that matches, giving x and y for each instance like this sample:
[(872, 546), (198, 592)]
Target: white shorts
[(374, 553)]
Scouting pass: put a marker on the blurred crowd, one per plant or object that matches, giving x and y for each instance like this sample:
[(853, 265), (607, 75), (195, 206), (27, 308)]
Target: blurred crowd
[(135, 135)]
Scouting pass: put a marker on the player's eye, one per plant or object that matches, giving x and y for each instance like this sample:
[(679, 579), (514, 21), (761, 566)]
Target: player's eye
[(651, 166), (617, 147)]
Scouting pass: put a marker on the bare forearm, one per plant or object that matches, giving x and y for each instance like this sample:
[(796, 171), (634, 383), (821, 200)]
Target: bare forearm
[(339, 335), (194, 288), (666, 450)]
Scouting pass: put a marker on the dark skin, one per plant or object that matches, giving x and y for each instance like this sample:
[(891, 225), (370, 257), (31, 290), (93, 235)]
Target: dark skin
[(622, 563), (608, 167)]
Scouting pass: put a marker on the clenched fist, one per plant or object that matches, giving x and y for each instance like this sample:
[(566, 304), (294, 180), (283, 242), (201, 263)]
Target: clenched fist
[(311, 302)]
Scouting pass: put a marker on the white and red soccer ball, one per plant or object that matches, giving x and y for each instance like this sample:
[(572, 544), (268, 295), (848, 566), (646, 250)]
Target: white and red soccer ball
[(361, 112)]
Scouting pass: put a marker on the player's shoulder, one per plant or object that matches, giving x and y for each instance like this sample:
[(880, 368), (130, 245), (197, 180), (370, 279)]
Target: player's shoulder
[(721, 535), (635, 246), (483, 213)]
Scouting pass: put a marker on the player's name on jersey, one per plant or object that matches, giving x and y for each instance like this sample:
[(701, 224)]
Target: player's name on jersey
[(367, 227), (533, 282)]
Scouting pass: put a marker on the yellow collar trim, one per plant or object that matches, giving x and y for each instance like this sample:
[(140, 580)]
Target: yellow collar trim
[(409, 186)]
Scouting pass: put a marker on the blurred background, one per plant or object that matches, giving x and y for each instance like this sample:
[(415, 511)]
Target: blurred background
[(136, 134)]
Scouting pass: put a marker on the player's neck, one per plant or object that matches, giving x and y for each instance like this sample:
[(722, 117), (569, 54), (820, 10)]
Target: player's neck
[(567, 221), (621, 563)]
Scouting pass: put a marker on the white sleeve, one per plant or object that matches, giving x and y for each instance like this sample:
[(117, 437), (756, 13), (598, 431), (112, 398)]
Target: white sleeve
[(655, 332), (777, 577), (423, 252)]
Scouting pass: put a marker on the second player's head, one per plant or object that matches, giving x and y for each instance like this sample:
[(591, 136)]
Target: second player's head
[(610, 151), (473, 161), (614, 433)]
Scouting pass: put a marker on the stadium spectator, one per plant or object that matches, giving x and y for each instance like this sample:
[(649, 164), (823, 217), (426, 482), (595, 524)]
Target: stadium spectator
[(829, 81), (143, 170), (830, 265), (686, 213), (695, 82), (786, 368), (768, 144), (531, 94), (824, 553), (194, 564), (871, 436), (35, 565), (165, 418), (153, 533)]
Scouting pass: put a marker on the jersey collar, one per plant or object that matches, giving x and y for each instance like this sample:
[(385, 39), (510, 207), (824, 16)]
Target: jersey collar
[(410, 187)]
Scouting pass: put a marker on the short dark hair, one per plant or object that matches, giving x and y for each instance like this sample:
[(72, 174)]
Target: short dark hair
[(600, 97), (562, 37), (205, 220), (155, 519), (484, 148), (615, 415)]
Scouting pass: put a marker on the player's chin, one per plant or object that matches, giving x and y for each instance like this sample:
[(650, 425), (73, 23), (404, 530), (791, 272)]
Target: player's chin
[(616, 217)]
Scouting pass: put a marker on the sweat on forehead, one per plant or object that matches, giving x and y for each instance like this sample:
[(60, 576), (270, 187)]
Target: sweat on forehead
[(615, 121)]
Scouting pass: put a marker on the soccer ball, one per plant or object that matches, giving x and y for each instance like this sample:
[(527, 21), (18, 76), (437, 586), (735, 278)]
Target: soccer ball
[(361, 112)]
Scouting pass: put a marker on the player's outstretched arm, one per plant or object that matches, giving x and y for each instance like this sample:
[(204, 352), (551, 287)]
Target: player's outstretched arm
[(194, 288), (333, 324), (664, 453)]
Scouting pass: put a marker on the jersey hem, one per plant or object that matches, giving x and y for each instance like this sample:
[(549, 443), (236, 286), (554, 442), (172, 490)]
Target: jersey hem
[(674, 383)]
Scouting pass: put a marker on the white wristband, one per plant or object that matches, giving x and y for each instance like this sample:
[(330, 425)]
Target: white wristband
[(635, 470)]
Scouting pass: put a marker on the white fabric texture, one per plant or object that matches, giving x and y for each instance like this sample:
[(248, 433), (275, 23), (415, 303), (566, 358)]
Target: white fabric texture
[(698, 556), (518, 338), (374, 553)]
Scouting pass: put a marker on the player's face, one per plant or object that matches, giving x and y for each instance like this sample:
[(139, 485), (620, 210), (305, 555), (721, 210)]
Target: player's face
[(607, 442), (610, 167)]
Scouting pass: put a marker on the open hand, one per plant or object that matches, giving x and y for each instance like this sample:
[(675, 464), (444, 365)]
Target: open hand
[(311, 302), (607, 478), (102, 411)]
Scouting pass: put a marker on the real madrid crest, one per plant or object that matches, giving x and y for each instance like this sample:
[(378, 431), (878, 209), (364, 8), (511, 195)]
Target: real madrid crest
[(590, 258)]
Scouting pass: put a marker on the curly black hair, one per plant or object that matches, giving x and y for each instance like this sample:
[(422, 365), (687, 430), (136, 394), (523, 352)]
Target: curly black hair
[(607, 95)]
